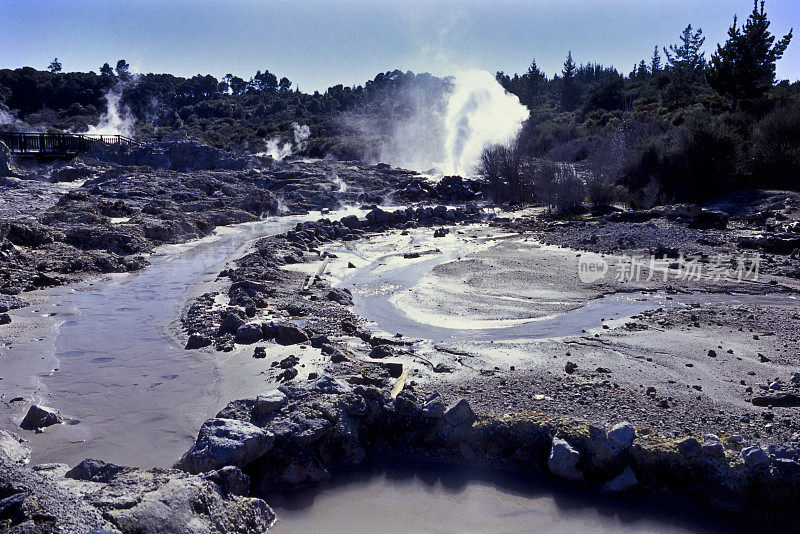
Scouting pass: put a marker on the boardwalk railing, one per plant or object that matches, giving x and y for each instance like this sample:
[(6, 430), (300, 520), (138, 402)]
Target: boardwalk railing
[(40, 144)]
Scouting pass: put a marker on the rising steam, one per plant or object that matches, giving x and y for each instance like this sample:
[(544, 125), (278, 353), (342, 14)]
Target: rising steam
[(278, 150), (448, 126), (480, 113), (118, 119)]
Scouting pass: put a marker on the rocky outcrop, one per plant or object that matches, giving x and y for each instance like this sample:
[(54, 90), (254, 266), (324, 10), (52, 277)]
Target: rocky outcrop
[(99, 497), (320, 429)]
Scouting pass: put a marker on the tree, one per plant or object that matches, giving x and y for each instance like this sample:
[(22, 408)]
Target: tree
[(569, 96), (55, 66), (123, 69), (744, 67), (285, 85), (655, 62), (106, 70), (641, 70), (685, 59), (265, 82), (535, 86)]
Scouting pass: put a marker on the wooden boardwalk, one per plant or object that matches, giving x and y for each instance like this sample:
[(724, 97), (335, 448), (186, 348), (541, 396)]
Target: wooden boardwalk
[(57, 145)]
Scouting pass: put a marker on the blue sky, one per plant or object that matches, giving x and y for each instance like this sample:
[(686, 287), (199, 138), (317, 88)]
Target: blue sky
[(320, 43)]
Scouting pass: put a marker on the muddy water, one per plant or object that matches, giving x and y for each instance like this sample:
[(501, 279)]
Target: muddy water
[(375, 285), (434, 499), (132, 394)]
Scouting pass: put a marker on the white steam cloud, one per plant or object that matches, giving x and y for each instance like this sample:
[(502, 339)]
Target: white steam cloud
[(117, 120), (480, 113), (278, 150), (449, 125)]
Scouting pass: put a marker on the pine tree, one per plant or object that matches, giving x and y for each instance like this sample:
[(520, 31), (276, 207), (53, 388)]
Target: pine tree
[(569, 96), (123, 69), (535, 86), (54, 66), (655, 62), (744, 67), (641, 70), (685, 59), (106, 70)]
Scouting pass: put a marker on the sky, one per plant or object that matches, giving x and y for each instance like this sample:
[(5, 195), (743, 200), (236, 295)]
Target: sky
[(319, 43)]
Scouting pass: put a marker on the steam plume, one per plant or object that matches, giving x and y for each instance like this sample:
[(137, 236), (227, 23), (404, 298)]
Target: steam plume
[(279, 150), (118, 119)]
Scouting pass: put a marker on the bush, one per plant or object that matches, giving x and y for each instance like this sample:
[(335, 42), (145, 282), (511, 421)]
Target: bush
[(775, 150)]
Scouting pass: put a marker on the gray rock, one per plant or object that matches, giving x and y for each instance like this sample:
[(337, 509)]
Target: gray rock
[(40, 417), (623, 482), (223, 442), (230, 479), (4, 318), (713, 449), (289, 334), (232, 320), (381, 351), (563, 461), (95, 471), (755, 457), (623, 434), (327, 384), (433, 407), (341, 296), (460, 414), (248, 333), (12, 451), (197, 341), (157, 501), (689, 447), (269, 402)]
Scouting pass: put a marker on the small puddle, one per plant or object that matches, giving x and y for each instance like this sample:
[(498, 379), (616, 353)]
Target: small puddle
[(438, 499)]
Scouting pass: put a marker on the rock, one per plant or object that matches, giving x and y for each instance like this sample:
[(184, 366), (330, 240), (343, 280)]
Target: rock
[(260, 353), (341, 296), (433, 407), (623, 434), (230, 479), (269, 402), (755, 457), (563, 461), (223, 442), (442, 368), (40, 417), (232, 320), (570, 367), (4, 318), (460, 414), (623, 482), (782, 400), (327, 384), (289, 334), (197, 341), (12, 451), (248, 333), (440, 232), (381, 351), (319, 341), (689, 447), (713, 449), (95, 471), (157, 501), (395, 369)]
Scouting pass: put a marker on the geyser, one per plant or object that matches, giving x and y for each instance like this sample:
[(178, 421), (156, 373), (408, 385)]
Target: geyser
[(480, 113)]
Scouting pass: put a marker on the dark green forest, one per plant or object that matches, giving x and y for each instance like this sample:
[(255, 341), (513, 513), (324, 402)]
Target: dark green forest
[(679, 126)]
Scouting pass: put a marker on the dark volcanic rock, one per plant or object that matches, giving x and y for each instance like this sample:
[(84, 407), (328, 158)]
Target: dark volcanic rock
[(40, 417)]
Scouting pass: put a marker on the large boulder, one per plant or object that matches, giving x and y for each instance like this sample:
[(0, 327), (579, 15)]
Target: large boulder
[(563, 461), (248, 333), (289, 334), (40, 417), (223, 442)]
